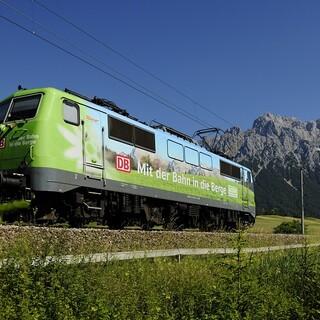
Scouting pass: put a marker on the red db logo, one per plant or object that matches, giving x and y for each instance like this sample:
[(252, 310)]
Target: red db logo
[(2, 143), (123, 163)]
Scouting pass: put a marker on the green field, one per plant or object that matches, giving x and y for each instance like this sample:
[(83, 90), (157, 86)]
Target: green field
[(266, 224)]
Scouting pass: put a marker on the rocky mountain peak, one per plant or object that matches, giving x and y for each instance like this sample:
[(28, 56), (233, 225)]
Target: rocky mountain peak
[(274, 138), (276, 145), (269, 124)]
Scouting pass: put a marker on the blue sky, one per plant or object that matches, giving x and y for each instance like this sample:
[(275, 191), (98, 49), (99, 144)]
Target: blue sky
[(239, 59)]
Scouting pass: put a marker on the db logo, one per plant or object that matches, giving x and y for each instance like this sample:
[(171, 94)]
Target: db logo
[(2, 143), (123, 163)]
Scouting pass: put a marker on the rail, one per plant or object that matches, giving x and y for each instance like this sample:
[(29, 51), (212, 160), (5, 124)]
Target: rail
[(178, 253)]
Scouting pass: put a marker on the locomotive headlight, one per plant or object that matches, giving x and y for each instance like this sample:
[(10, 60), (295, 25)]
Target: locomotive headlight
[(4, 127), (11, 125)]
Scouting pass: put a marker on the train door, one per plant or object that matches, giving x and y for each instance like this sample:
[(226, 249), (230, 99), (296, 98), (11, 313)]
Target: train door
[(245, 188), (93, 144)]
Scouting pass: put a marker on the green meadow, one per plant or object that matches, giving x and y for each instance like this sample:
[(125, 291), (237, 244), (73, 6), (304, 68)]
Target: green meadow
[(279, 285), (266, 224)]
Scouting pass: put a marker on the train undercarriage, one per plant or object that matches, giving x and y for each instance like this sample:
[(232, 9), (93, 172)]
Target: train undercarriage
[(118, 210)]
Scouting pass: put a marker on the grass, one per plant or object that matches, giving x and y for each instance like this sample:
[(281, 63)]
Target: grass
[(266, 224), (283, 285), (12, 206)]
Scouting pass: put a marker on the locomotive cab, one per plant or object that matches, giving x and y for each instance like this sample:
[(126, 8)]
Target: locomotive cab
[(18, 116)]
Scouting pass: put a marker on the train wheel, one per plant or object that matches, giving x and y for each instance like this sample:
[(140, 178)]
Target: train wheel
[(174, 219), (77, 218), (115, 223)]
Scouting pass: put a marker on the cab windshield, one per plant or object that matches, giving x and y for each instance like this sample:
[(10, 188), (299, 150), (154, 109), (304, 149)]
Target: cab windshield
[(4, 106), (23, 108)]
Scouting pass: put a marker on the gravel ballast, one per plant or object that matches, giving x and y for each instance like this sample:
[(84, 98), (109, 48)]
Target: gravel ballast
[(75, 241)]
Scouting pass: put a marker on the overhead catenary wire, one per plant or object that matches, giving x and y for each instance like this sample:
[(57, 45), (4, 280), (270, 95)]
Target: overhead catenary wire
[(185, 112), (83, 60), (131, 61)]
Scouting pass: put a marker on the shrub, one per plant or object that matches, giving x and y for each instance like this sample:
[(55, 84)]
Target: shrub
[(293, 226)]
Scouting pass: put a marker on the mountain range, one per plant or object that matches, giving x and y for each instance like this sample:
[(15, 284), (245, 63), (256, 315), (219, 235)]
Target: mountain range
[(277, 148)]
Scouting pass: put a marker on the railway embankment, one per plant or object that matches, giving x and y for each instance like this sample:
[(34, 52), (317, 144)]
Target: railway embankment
[(83, 241)]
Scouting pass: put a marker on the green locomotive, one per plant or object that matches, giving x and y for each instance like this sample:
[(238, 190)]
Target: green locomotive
[(80, 159)]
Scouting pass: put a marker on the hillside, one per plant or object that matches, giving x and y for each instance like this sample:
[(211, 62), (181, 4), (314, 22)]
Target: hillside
[(266, 224), (276, 148)]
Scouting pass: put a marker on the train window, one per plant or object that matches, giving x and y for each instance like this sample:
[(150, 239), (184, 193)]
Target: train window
[(247, 176), (24, 108), (228, 169), (205, 161), (144, 139), (4, 106), (235, 172), (71, 112), (120, 130), (175, 150), (191, 156), (225, 168)]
